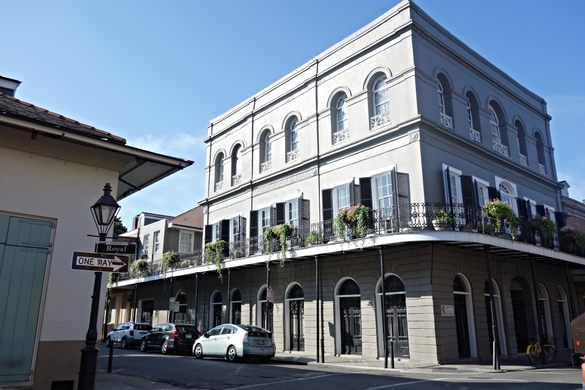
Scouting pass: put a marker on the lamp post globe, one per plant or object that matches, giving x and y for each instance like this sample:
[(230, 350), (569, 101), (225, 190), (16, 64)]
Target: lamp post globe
[(104, 211)]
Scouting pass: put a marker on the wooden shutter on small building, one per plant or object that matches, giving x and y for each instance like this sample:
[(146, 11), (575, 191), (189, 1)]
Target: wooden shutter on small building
[(366, 191), (327, 198), (208, 233)]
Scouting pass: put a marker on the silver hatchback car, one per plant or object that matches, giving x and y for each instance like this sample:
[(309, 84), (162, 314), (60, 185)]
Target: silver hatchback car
[(235, 341)]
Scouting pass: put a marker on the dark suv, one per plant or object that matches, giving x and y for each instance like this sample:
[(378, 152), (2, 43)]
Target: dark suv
[(169, 338), (128, 334)]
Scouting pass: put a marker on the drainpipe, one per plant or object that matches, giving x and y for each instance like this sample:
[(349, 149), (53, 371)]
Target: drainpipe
[(317, 133), (320, 295), (229, 306), (196, 299), (267, 295), (317, 323), (252, 166), (495, 341)]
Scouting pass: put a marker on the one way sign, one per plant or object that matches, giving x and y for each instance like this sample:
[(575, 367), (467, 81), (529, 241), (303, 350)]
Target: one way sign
[(100, 262)]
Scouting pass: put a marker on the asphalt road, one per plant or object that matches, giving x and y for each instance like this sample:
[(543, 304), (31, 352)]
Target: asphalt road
[(185, 372)]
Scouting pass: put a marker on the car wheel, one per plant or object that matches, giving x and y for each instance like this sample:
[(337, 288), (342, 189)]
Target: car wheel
[(143, 346), (231, 354), (124, 343), (164, 347), (198, 352)]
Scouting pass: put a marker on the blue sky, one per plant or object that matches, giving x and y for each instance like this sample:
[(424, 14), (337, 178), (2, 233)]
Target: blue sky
[(156, 72)]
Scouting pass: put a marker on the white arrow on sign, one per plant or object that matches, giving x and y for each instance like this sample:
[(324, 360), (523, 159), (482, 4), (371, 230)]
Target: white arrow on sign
[(99, 262)]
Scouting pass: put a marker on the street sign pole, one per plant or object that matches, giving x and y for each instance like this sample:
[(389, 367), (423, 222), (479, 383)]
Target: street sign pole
[(89, 354)]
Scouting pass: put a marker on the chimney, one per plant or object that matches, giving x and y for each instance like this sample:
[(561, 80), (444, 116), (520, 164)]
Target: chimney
[(8, 86)]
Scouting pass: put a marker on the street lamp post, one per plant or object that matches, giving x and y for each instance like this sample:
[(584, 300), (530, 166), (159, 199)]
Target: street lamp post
[(103, 211)]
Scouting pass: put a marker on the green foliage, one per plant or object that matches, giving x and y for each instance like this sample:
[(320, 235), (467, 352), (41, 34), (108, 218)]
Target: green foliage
[(314, 237), (119, 227), (113, 278), (213, 253), (171, 260), (280, 232), (139, 267), (355, 218), (580, 244), (546, 227), (444, 217), (501, 213)]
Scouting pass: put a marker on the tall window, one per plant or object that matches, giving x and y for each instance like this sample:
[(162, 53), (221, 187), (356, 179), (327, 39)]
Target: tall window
[(219, 171), (453, 193), (473, 117), (292, 213), (237, 165), (156, 239), (265, 151), (494, 123), (445, 105), (292, 139), (540, 153), (382, 194), (522, 143), (381, 103), (508, 194), (341, 198), (186, 239), (339, 125), (264, 222), (498, 129), (234, 230), (145, 245), (482, 192)]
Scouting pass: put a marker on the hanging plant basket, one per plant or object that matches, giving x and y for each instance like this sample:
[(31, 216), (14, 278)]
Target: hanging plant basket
[(213, 253), (281, 233)]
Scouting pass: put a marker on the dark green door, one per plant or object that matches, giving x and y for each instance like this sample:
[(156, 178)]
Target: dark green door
[(24, 248)]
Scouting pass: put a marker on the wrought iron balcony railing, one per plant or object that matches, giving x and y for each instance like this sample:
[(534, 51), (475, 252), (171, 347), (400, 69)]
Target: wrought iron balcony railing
[(407, 218)]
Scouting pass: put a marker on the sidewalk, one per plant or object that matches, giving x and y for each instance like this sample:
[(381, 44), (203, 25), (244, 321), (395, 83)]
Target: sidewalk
[(113, 381)]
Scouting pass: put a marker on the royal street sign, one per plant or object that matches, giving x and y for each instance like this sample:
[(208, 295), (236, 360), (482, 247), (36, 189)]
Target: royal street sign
[(117, 247), (99, 262)]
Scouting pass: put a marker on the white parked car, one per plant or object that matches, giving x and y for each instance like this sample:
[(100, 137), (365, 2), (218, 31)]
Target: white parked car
[(235, 341), (128, 334)]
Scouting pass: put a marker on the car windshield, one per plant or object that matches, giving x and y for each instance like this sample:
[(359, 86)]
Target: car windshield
[(142, 327), (254, 331)]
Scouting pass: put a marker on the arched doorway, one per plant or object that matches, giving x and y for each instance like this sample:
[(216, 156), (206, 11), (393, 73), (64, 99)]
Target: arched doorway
[(394, 318), (544, 317), (564, 316), (181, 316), (464, 317), (522, 309), (264, 310), (295, 308), (236, 307), (349, 318), (216, 309), (494, 289)]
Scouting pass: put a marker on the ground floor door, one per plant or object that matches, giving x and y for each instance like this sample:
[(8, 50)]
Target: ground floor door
[(397, 324), (520, 320), (462, 325), (351, 326), (296, 326), (24, 252)]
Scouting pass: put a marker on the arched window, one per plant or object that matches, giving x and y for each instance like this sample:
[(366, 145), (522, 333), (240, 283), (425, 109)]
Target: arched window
[(294, 322), (236, 307), (349, 318), (340, 129), (216, 309), (498, 129), (292, 139), (219, 172), (494, 310), (524, 321), (237, 165), (564, 316), (464, 322), (540, 153), (395, 318), (264, 310), (544, 317), (265, 151), (473, 117), (380, 103), (522, 143), (445, 101)]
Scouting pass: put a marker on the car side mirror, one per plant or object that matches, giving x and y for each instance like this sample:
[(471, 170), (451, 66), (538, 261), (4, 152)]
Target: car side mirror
[(206, 335)]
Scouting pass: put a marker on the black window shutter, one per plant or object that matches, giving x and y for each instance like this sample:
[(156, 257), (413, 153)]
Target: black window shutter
[(468, 191), (447, 183), (208, 233), (327, 205), (403, 195), (224, 230), (357, 194), (561, 219), (523, 208), (280, 213), (242, 232), (305, 216), (366, 191), (351, 189), (540, 210), (493, 193), (253, 231)]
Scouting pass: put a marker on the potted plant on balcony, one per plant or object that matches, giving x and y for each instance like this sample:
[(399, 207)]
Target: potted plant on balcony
[(313, 238), (139, 267), (547, 228), (280, 232), (213, 253), (170, 260), (502, 214), (568, 238), (443, 220), (353, 220)]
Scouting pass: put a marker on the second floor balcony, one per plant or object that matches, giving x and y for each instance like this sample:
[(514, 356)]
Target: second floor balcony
[(379, 120), (475, 135), (500, 148), (446, 120), (265, 166)]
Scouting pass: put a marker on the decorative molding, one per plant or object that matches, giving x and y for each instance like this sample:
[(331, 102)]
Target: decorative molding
[(284, 181)]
